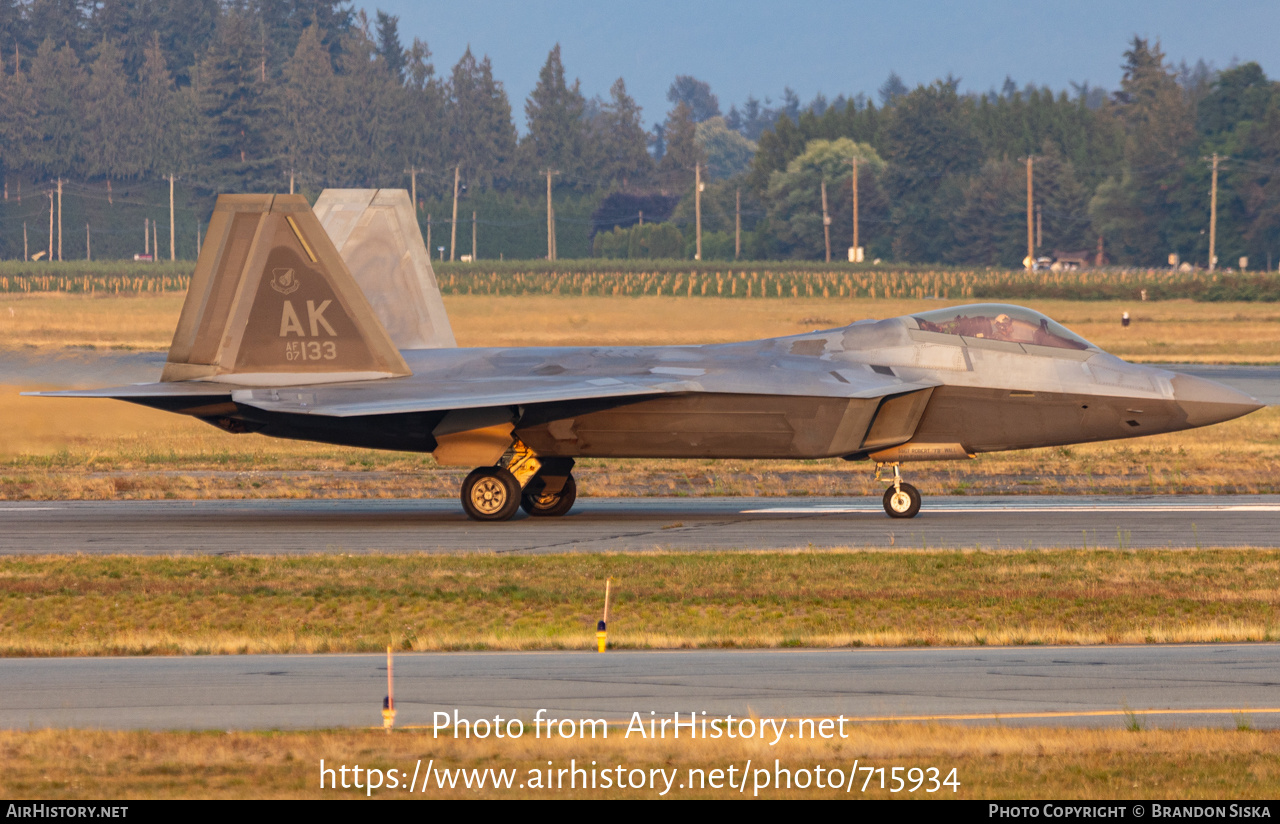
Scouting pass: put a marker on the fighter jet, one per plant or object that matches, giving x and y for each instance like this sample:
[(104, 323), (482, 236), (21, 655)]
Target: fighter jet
[(328, 326)]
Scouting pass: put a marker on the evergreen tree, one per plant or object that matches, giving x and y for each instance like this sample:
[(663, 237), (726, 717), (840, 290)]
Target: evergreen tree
[(109, 116), (557, 130), (57, 84), (13, 31), (619, 138), (423, 121), (239, 110), (931, 150), (480, 135), (183, 29), (312, 105), (1063, 203), (64, 22), (371, 147), (392, 53), (696, 94), (892, 89), (683, 152), (990, 225), (1131, 212), (18, 112)]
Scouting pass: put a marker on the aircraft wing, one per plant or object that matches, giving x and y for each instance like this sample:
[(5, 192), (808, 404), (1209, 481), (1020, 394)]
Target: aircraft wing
[(427, 392), (406, 395)]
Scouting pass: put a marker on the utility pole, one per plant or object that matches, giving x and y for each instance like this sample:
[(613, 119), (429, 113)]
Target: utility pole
[(146, 236), (1213, 216), (737, 224), (155, 241), (453, 235), (1031, 249), (854, 162), (59, 219), (172, 251), (413, 187), (697, 207), (88, 245), (642, 217), (25, 254), (473, 237), (50, 193), (1039, 227), (826, 222), (551, 219), (290, 180)]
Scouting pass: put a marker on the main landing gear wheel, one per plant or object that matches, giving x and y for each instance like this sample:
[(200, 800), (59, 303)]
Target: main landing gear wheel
[(902, 501), (490, 493), (551, 505)]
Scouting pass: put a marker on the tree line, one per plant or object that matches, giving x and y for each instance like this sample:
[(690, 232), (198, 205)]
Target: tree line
[(113, 96)]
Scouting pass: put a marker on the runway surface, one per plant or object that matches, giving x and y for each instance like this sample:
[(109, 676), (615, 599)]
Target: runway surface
[(637, 524), (1168, 686)]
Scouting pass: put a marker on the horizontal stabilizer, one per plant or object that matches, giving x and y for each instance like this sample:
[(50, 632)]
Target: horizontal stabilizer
[(354, 400), (201, 389)]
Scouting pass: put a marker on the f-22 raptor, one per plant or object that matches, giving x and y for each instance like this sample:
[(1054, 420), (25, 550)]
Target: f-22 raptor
[(327, 325)]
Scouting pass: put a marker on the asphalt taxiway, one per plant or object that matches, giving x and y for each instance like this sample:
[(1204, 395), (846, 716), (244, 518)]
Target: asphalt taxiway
[(1156, 686), (637, 524)]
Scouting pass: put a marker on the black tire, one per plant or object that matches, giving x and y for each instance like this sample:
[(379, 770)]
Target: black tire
[(490, 493), (894, 504), (551, 506)]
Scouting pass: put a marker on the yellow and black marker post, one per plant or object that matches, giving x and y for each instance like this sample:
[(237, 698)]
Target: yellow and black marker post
[(602, 641), (389, 702)]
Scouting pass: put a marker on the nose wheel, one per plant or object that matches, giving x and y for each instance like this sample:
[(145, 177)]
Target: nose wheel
[(902, 500)]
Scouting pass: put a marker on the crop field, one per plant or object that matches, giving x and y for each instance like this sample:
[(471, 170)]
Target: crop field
[(746, 279), (994, 762)]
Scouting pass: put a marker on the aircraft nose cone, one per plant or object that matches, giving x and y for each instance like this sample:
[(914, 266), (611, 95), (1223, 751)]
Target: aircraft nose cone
[(1206, 402)]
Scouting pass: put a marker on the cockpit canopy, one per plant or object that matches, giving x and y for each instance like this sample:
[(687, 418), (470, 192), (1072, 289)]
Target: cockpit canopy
[(1002, 322)]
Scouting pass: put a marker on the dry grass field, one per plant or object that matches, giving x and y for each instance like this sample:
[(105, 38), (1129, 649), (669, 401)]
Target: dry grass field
[(84, 605), (1178, 330), (994, 762)]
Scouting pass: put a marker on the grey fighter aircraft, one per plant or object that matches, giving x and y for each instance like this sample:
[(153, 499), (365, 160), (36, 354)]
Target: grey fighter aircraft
[(327, 325)]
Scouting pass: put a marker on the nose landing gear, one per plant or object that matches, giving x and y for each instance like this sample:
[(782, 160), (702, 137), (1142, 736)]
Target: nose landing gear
[(902, 500)]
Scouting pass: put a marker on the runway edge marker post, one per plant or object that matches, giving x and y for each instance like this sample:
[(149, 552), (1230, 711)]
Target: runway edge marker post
[(602, 641), (389, 703)]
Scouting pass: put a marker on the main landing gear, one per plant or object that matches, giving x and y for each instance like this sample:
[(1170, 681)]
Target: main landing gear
[(541, 487), (902, 500)]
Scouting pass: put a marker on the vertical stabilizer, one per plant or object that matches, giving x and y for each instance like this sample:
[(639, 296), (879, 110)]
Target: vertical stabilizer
[(376, 232), (272, 303)]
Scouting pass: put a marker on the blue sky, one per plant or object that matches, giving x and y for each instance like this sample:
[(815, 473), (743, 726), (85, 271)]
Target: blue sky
[(759, 47)]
